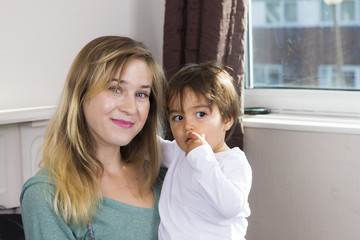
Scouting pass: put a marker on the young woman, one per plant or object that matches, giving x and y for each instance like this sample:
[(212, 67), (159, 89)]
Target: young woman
[(99, 177)]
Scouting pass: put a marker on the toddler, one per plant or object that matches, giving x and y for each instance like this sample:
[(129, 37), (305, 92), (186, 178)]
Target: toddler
[(206, 188)]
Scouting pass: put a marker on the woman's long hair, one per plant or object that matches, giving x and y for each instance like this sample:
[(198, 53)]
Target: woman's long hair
[(69, 153)]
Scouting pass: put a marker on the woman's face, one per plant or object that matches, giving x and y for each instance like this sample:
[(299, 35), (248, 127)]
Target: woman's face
[(117, 114)]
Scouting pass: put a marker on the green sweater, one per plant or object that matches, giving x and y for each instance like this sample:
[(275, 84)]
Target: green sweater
[(113, 219)]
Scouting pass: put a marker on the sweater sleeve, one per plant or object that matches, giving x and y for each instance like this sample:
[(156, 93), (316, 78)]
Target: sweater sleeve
[(39, 219), (224, 186)]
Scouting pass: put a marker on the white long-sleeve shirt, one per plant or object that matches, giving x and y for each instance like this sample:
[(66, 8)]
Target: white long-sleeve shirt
[(204, 195)]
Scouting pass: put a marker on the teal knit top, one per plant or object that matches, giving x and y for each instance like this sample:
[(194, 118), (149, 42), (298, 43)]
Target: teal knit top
[(113, 219)]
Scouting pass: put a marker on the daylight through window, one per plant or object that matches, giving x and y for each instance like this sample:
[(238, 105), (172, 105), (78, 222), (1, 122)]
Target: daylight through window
[(305, 44)]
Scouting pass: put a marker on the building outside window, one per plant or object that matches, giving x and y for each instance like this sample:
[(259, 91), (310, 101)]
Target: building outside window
[(304, 45), (309, 43)]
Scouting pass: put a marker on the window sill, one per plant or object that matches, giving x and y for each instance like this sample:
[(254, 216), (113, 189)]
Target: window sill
[(309, 102), (26, 114), (293, 122), (298, 122)]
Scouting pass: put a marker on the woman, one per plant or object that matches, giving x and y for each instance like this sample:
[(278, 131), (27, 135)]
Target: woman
[(99, 177)]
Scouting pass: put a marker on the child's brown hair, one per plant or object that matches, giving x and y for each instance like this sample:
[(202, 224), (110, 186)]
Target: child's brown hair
[(212, 81)]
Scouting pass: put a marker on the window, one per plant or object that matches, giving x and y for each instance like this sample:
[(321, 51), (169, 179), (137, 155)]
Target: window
[(281, 12), (267, 75), (348, 11), (345, 11), (326, 12), (315, 57), (272, 13), (329, 76), (290, 14)]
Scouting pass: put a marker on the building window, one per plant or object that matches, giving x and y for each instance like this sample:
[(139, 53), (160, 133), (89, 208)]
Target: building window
[(290, 12), (326, 12), (272, 13), (267, 75), (348, 9), (329, 75), (281, 12), (345, 11)]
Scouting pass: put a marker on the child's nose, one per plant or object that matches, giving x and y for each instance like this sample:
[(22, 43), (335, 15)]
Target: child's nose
[(188, 125)]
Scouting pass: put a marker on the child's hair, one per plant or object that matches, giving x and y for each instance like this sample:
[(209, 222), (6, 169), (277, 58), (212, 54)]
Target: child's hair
[(212, 81), (69, 153)]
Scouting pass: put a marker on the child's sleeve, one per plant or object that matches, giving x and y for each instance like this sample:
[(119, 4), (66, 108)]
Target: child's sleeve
[(168, 151), (226, 188)]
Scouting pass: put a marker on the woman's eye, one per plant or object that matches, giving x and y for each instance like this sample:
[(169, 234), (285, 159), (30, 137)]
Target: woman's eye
[(142, 95), (116, 90), (177, 118), (200, 114)]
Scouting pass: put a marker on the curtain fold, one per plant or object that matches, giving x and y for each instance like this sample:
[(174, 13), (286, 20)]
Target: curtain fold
[(197, 31)]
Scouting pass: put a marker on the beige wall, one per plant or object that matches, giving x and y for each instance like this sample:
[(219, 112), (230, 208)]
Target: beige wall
[(306, 185)]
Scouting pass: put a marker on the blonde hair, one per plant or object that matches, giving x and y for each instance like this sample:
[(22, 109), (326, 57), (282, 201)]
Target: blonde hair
[(211, 81), (69, 153)]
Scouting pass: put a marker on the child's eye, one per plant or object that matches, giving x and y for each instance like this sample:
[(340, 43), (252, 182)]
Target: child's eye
[(142, 95), (200, 114), (177, 118)]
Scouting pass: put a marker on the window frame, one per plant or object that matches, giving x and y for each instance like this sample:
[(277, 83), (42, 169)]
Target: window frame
[(342, 103)]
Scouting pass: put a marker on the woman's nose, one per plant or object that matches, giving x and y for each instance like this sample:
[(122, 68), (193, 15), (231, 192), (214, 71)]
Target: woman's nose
[(127, 104)]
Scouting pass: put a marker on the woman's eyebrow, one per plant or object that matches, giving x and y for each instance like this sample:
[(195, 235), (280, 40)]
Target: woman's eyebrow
[(125, 82)]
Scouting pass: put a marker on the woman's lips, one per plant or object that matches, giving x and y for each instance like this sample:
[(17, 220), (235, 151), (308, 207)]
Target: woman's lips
[(123, 123)]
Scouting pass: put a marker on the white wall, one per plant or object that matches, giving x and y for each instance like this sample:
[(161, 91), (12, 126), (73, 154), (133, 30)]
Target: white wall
[(40, 38), (306, 185)]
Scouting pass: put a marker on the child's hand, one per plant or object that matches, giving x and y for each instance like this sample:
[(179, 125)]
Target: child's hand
[(194, 140)]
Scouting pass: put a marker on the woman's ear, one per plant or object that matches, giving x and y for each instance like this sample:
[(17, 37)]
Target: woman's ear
[(228, 123)]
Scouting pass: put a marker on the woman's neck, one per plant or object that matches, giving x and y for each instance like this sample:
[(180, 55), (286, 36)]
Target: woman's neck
[(120, 181), (110, 157)]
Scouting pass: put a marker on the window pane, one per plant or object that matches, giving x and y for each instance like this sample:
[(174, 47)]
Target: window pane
[(348, 10), (319, 50), (326, 12), (272, 13), (290, 12), (349, 79)]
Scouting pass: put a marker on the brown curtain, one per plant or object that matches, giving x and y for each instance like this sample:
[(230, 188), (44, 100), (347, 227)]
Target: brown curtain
[(198, 31)]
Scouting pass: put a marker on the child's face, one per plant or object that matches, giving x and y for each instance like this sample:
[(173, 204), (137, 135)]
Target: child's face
[(197, 116)]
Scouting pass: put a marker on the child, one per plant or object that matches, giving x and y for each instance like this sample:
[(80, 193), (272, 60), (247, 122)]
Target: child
[(205, 191)]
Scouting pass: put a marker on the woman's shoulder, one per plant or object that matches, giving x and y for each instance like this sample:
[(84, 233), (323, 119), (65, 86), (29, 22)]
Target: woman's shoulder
[(37, 184), (40, 177)]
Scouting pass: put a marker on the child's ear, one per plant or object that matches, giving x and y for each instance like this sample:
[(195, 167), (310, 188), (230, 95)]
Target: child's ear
[(228, 123)]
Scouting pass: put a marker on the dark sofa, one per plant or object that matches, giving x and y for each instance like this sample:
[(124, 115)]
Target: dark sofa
[(11, 227)]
